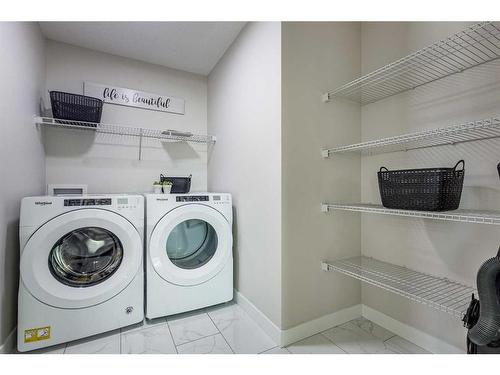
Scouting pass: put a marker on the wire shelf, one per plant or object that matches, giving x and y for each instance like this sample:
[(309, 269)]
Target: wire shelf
[(125, 130), (476, 45), (466, 216), (437, 292), (452, 135)]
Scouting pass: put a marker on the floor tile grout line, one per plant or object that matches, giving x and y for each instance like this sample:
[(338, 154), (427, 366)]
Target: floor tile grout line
[(319, 333), (326, 337), (368, 320), (196, 339), (394, 335), (274, 347), (171, 336), (200, 338), (418, 346), (224, 337), (368, 332)]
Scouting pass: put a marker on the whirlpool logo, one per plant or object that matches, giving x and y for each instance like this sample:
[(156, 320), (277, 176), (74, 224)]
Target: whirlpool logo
[(41, 203), (161, 199)]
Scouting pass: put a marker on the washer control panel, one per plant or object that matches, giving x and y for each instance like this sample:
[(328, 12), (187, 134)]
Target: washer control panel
[(120, 202), (88, 202)]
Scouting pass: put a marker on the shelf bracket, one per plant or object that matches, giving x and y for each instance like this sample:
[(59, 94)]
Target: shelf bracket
[(325, 98), (324, 207), (140, 144), (325, 153)]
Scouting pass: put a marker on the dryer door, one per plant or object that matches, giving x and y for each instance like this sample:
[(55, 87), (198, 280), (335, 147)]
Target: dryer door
[(81, 258), (190, 244)]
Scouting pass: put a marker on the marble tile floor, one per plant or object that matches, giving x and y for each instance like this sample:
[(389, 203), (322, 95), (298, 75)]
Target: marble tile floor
[(227, 329)]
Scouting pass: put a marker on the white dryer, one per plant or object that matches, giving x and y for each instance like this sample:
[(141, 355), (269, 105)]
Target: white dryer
[(81, 269), (189, 260)]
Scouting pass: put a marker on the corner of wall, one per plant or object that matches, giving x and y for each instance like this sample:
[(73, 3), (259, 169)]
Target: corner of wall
[(244, 112)]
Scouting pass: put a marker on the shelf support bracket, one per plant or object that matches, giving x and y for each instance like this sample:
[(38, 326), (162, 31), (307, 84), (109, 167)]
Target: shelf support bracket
[(140, 144)]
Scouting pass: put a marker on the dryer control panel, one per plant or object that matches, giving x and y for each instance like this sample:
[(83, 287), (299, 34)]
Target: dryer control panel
[(192, 198)]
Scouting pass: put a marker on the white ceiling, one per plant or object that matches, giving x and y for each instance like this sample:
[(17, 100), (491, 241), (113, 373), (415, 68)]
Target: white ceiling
[(190, 46)]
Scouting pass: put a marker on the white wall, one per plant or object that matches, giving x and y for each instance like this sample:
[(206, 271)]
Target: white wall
[(454, 250), (244, 112), (22, 74), (318, 57), (108, 163)]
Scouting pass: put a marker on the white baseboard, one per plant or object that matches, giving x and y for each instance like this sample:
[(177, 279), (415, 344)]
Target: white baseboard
[(294, 334), (422, 339), (10, 343), (307, 329), (271, 329)]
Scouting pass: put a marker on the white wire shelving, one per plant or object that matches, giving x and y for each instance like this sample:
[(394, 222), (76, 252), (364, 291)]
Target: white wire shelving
[(451, 135), (465, 216), (471, 47), (122, 130), (437, 292)]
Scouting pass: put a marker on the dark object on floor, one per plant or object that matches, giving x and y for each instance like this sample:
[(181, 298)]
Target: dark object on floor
[(180, 185), (66, 106), (470, 319), (487, 328), (429, 189), (482, 319)]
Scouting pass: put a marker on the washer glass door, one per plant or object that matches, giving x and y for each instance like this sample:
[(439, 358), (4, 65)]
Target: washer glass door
[(85, 256)]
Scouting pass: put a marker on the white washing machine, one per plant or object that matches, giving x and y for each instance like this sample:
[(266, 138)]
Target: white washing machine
[(189, 260), (81, 269)]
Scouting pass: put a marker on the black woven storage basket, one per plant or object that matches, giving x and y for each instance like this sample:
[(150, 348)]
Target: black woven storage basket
[(429, 189), (66, 106), (180, 185)]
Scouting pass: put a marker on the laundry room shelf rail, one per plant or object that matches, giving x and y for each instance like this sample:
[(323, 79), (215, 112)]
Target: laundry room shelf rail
[(466, 216), (125, 130), (437, 292), (451, 135), (466, 49), (129, 131)]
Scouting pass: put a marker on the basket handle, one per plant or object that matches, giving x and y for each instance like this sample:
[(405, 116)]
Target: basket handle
[(460, 162), (381, 168)]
